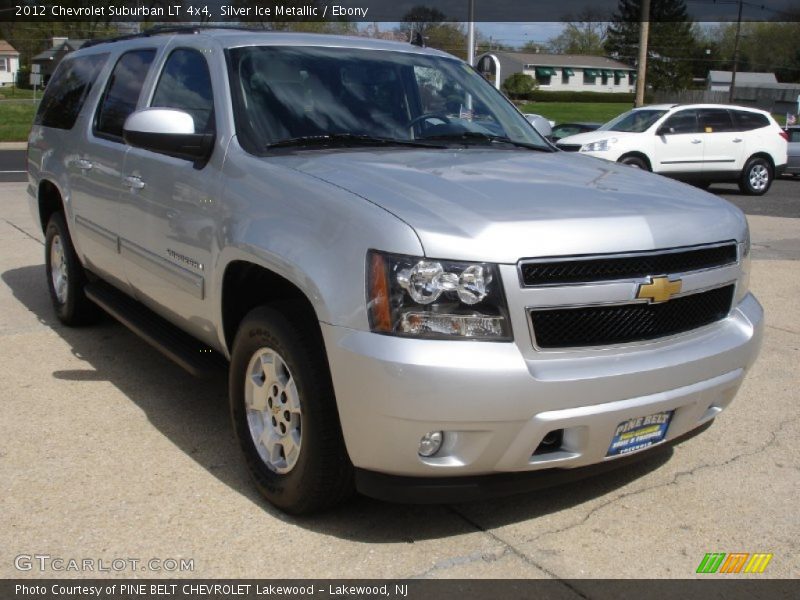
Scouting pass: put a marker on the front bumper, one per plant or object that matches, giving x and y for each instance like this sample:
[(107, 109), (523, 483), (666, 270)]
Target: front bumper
[(495, 405)]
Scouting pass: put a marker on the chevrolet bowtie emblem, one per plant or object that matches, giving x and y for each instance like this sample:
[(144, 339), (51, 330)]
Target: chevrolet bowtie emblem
[(659, 289)]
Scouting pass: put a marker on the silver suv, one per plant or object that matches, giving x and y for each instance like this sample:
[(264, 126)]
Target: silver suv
[(416, 296)]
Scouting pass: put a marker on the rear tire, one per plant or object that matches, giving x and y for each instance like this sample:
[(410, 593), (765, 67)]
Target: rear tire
[(66, 277), (756, 177), (634, 161), (284, 411)]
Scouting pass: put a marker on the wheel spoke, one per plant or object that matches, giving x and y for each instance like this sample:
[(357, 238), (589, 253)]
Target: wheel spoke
[(255, 393), (292, 397)]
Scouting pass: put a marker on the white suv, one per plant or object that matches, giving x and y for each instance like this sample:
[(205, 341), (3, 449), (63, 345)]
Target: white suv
[(699, 143)]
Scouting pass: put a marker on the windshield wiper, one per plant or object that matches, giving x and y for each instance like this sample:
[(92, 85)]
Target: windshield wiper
[(466, 136), (345, 139)]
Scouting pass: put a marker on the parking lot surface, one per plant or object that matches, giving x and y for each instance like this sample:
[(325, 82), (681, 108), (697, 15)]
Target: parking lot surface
[(108, 450)]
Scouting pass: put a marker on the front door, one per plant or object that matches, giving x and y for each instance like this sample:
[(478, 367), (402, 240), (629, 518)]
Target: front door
[(679, 145), (168, 215)]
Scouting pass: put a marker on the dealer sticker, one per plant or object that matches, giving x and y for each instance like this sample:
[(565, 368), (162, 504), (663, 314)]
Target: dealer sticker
[(639, 433)]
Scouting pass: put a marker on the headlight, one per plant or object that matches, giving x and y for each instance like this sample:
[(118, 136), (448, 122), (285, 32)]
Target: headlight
[(421, 297), (600, 146), (743, 285)]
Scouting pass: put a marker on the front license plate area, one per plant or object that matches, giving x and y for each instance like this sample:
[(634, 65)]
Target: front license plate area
[(639, 433)]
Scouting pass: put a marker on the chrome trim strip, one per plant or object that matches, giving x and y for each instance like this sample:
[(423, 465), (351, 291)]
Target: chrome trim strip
[(181, 278), (98, 234)]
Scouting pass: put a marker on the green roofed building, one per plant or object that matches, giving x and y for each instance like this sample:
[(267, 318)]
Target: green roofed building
[(560, 72)]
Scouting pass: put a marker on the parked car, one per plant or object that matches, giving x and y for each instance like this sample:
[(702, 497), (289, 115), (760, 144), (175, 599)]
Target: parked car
[(414, 299), (699, 143), (793, 164), (563, 130), (542, 124)]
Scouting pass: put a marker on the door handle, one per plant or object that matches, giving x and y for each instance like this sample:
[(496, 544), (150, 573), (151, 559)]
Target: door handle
[(737, 140), (83, 164), (133, 182), (697, 141)]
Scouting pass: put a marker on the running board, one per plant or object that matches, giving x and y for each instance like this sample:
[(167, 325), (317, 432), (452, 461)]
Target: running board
[(185, 350)]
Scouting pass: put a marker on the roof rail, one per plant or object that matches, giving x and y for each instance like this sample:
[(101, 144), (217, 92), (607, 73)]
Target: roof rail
[(166, 30)]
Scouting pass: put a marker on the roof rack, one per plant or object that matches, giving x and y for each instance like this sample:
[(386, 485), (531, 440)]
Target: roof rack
[(167, 30)]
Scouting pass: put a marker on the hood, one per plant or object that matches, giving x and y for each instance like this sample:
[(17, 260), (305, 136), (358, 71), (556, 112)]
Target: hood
[(500, 206), (596, 136)]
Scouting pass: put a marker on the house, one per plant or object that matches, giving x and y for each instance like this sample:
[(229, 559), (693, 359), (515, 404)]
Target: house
[(560, 72), (720, 81), (9, 63), (48, 60)]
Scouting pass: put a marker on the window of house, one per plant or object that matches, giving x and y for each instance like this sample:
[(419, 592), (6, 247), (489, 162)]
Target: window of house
[(544, 75), (3, 63), (631, 78), (604, 77), (185, 84), (589, 76), (122, 91), (566, 73)]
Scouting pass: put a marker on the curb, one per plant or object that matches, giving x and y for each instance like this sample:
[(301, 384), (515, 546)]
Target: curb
[(13, 145)]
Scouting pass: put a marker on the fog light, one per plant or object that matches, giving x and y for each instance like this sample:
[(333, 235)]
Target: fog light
[(430, 443)]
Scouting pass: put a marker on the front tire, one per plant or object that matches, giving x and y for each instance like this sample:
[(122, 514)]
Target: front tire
[(634, 161), (66, 277), (756, 177), (284, 411)]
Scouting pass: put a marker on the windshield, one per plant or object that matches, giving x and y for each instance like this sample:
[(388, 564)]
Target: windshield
[(634, 121), (289, 96)]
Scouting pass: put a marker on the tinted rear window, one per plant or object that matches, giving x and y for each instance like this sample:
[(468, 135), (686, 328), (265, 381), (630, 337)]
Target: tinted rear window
[(715, 120), (67, 91), (122, 93), (746, 121)]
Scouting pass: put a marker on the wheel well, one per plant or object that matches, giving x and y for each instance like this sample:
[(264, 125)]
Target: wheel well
[(763, 155), (49, 202), (637, 155), (246, 286)]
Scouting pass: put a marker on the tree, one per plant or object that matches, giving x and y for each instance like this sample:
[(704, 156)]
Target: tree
[(519, 86), (671, 47), (584, 33), (768, 46), (436, 32)]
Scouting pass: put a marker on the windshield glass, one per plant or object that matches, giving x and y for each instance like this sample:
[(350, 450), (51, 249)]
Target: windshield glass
[(634, 121), (289, 95)]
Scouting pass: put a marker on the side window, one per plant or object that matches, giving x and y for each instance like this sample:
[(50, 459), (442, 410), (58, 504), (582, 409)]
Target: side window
[(747, 121), (684, 121), (185, 84), (794, 135), (715, 120), (67, 91), (122, 91)]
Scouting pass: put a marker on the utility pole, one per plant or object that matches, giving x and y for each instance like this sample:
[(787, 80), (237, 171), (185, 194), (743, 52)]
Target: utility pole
[(644, 33), (735, 54), (471, 34)]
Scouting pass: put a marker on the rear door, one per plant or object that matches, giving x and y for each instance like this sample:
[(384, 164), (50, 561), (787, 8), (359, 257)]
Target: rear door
[(723, 141), (679, 145), (96, 169)]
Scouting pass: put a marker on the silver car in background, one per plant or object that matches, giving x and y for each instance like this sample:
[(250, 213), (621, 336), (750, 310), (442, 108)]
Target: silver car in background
[(416, 296)]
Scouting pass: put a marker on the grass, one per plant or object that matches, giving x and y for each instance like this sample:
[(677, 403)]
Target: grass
[(15, 93), (15, 120), (570, 112)]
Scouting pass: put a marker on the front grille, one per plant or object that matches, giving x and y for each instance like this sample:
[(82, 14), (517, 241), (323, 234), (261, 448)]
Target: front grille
[(569, 147), (604, 325), (630, 266)]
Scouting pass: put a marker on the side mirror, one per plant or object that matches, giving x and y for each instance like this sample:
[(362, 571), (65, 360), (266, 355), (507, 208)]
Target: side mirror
[(665, 131), (167, 131)]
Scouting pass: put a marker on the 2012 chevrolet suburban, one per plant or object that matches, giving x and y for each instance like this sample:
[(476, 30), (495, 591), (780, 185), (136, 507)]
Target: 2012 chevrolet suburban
[(415, 294)]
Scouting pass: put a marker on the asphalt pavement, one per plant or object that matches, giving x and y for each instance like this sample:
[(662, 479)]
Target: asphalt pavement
[(12, 166), (107, 451)]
